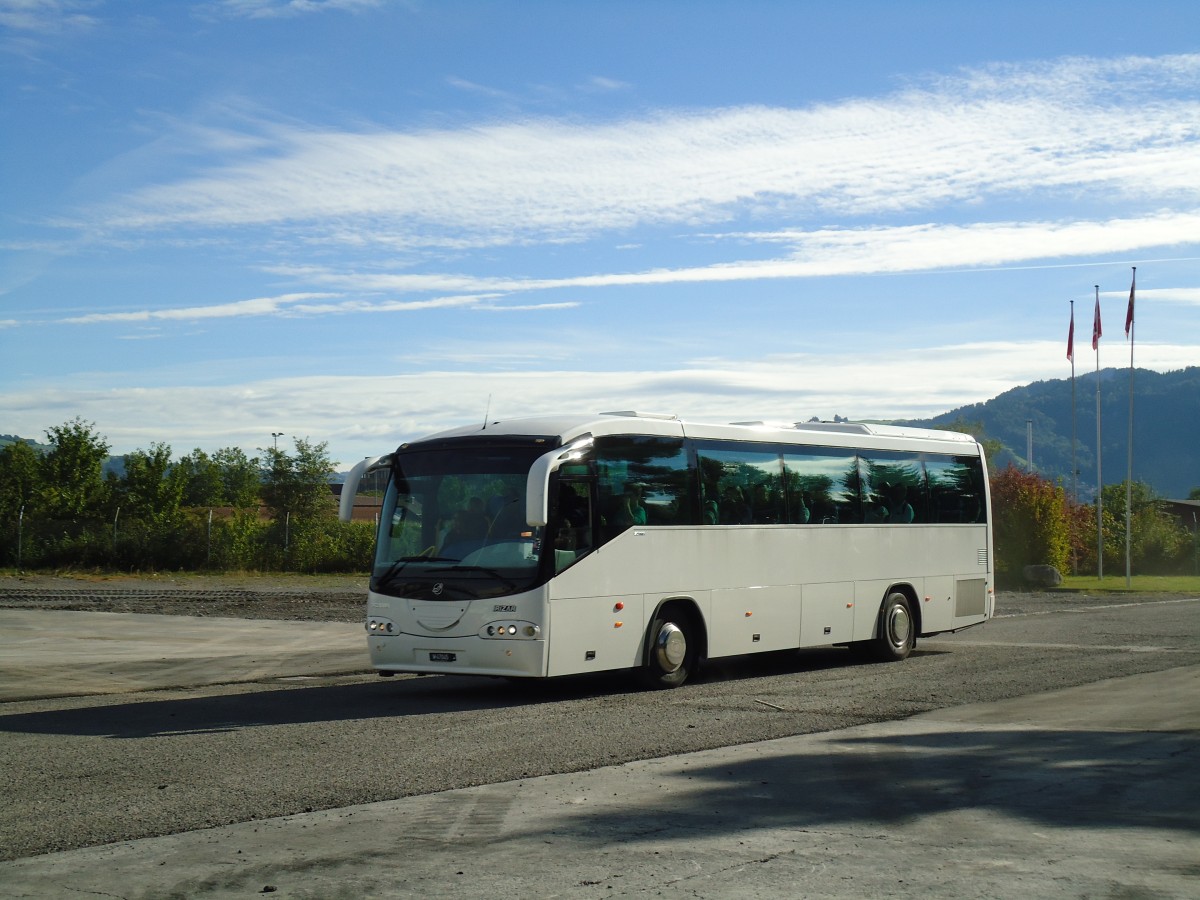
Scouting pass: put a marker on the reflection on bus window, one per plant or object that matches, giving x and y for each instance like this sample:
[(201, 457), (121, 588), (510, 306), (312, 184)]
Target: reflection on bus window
[(642, 481)]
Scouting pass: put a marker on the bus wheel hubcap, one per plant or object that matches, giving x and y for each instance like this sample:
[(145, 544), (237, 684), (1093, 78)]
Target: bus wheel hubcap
[(899, 626), (670, 647)]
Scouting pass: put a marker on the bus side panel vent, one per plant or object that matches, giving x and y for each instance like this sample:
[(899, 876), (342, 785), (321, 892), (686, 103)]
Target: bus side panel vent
[(970, 597)]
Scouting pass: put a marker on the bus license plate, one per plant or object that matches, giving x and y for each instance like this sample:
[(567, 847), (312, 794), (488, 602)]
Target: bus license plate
[(443, 657)]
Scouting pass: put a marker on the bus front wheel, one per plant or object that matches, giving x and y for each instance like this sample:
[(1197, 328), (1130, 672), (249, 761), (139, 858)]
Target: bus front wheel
[(897, 630), (672, 651)]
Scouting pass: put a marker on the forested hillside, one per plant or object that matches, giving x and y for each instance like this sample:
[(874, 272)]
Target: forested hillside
[(1166, 421)]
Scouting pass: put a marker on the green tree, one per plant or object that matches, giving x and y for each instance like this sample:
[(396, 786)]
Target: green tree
[(151, 489), (202, 482), (298, 486), (72, 484), (1029, 522), (20, 479), (240, 477), (1156, 539)]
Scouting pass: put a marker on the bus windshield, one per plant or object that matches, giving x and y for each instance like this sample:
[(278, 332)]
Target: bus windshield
[(453, 528)]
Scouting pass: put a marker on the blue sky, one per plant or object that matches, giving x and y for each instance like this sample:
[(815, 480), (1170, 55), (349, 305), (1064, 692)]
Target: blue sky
[(358, 221)]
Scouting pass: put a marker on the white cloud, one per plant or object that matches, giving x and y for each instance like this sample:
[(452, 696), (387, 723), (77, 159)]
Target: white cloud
[(366, 415), (472, 87), (1188, 296), (302, 304), (599, 83), (828, 252), (258, 306), (46, 16), (831, 251), (286, 9), (953, 142)]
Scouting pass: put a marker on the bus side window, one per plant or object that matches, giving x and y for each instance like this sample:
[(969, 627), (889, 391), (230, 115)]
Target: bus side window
[(893, 487), (741, 486), (955, 487), (642, 480), (822, 486)]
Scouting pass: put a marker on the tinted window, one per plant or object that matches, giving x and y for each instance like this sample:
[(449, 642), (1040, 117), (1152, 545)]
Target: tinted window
[(955, 489), (741, 486), (893, 488), (642, 481), (822, 486)]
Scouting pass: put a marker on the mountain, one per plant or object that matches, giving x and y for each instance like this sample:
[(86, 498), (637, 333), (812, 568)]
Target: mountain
[(1166, 428)]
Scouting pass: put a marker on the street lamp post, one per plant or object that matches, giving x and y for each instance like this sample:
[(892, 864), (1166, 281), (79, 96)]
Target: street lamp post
[(275, 436)]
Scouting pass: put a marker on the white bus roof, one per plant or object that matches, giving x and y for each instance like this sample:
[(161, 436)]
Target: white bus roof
[(829, 434)]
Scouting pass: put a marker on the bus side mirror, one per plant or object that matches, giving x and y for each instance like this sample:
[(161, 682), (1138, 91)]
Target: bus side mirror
[(537, 489), (537, 486), (353, 479)]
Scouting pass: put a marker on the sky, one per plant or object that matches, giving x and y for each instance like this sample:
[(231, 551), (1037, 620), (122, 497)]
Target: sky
[(226, 223)]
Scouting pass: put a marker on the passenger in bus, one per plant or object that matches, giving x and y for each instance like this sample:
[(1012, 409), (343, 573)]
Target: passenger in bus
[(801, 508), (734, 508), (564, 547), (899, 510), (765, 510), (470, 524), (709, 511), (630, 511), (574, 513), (875, 509)]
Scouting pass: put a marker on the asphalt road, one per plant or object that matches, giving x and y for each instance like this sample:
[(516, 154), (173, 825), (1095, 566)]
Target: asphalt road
[(94, 770)]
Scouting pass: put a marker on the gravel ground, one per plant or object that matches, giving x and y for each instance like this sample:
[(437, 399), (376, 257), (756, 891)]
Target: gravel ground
[(310, 598)]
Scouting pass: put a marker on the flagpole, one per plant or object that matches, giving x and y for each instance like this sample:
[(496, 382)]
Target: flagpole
[(1074, 435), (1129, 475), (1096, 332)]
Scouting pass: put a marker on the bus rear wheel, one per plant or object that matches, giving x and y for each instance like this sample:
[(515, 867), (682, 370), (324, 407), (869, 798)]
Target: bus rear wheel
[(897, 630), (672, 651)]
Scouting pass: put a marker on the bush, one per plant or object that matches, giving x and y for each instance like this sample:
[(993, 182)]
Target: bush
[(1030, 523), (330, 545)]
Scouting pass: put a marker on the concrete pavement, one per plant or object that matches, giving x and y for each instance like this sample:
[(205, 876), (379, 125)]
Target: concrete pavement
[(1091, 791), (58, 653)]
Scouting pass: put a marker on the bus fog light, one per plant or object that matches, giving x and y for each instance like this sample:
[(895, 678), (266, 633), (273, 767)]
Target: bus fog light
[(380, 626)]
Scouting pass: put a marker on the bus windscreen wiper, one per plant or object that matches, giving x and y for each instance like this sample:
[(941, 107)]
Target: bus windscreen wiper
[(389, 576)]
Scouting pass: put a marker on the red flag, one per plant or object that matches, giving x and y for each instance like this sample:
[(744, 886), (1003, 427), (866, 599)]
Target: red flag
[(1129, 312), (1096, 330), (1071, 337)]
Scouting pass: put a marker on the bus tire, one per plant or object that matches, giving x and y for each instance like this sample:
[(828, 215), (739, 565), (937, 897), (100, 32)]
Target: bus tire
[(671, 651), (897, 630)]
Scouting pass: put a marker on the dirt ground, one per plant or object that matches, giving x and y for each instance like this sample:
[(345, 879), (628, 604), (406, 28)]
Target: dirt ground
[(312, 598)]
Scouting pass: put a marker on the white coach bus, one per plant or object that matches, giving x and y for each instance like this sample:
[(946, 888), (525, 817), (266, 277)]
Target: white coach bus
[(557, 546)]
